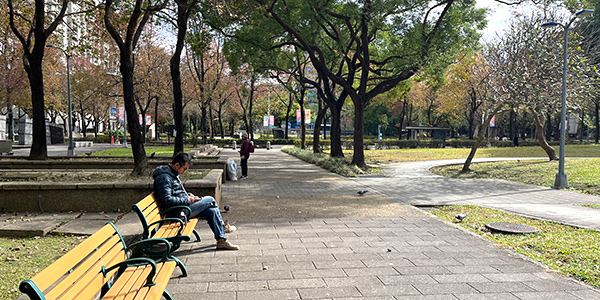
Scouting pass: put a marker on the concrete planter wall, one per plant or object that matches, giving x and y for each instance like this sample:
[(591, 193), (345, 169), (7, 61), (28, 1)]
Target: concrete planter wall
[(82, 162), (92, 196)]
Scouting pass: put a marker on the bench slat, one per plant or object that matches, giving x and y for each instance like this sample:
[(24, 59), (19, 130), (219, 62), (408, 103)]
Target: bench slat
[(93, 279), (109, 251), (48, 276), (133, 278), (162, 279)]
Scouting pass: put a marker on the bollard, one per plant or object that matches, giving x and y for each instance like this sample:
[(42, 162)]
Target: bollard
[(268, 145), (234, 146)]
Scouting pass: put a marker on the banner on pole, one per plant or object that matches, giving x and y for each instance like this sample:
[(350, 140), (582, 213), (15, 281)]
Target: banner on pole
[(112, 112), (121, 114)]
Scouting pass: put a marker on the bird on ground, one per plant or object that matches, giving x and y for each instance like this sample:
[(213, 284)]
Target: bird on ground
[(460, 217), (152, 155), (362, 192), (88, 153)]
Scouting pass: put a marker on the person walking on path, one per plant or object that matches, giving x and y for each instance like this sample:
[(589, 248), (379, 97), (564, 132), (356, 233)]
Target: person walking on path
[(169, 192), (245, 151)]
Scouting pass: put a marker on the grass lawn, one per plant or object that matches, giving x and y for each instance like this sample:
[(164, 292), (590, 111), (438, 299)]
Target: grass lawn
[(167, 150), (583, 174), (21, 258), (399, 155), (572, 251)]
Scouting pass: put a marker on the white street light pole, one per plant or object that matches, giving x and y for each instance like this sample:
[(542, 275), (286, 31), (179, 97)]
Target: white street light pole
[(560, 181), (71, 147)]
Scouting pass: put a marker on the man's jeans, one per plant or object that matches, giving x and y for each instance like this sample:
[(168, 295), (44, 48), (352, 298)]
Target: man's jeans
[(208, 209)]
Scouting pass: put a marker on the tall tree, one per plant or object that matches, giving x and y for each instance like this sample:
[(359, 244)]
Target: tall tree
[(184, 10), (138, 16), (466, 87), (29, 25), (531, 64), (390, 41)]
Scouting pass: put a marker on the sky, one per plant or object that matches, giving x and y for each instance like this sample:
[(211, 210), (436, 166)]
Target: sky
[(498, 17)]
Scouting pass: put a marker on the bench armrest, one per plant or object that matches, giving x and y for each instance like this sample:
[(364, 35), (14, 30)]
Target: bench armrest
[(134, 262), (150, 242)]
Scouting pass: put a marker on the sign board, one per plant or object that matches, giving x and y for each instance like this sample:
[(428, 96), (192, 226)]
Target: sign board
[(148, 120), (493, 122), (265, 121)]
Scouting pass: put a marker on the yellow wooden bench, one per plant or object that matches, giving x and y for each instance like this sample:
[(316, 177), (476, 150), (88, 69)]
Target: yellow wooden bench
[(156, 226), (101, 267)]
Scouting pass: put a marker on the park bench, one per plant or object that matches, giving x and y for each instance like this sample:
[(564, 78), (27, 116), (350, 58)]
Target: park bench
[(156, 226), (102, 267)]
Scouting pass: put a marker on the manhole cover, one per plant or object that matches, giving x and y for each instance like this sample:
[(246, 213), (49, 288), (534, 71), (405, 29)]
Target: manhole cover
[(507, 227)]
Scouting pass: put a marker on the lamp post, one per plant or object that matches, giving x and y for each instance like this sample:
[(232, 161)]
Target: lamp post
[(71, 147), (560, 181), (124, 113)]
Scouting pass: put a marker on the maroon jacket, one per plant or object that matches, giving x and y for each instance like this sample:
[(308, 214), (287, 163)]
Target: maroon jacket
[(245, 149)]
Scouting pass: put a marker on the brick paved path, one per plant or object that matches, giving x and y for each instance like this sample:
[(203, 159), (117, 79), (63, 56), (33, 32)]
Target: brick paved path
[(306, 234)]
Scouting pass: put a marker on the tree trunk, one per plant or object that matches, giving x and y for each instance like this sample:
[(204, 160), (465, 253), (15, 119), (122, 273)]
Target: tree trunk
[(335, 135), (467, 165), (141, 167), (539, 124), (182, 17), (210, 123), (250, 107), (220, 115), (597, 112), (581, 125), (317, 130), (287, 114), (36, 82), (359, 125), (156, 131), (203, 123), (302, 121)]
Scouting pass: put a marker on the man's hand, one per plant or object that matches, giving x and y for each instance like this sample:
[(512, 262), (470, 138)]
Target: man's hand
[(194, 198), (242, 157)]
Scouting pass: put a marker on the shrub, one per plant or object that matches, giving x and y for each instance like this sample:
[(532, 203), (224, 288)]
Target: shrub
[(339, 165)]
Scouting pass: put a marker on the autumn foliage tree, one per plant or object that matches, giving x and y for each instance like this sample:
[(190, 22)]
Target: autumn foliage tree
[(33, 25)]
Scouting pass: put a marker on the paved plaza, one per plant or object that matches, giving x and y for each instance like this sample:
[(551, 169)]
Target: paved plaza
[(305, 233)]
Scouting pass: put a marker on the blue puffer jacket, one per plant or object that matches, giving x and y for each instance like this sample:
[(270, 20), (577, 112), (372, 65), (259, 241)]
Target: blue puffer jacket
[(167, 188)]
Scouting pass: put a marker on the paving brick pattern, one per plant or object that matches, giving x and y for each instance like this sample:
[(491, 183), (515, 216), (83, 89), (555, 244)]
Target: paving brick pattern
[(369, 258), (403, 257)]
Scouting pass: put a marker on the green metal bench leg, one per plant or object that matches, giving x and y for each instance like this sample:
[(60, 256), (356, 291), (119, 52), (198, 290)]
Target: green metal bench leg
[(167, 295), (184, 272), (197, 235)]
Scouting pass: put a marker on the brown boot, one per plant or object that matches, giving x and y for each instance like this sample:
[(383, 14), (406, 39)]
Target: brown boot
[(223, 244)]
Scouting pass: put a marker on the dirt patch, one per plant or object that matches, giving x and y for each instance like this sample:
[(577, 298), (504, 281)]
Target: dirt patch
[(83, 175)]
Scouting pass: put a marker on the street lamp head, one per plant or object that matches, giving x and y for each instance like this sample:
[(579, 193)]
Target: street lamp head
[(549, 24), (584, 13)]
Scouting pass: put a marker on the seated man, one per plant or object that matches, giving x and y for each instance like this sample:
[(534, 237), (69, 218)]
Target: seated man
[(169, 191)]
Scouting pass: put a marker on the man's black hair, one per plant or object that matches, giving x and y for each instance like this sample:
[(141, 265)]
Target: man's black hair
[(181, 158)]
